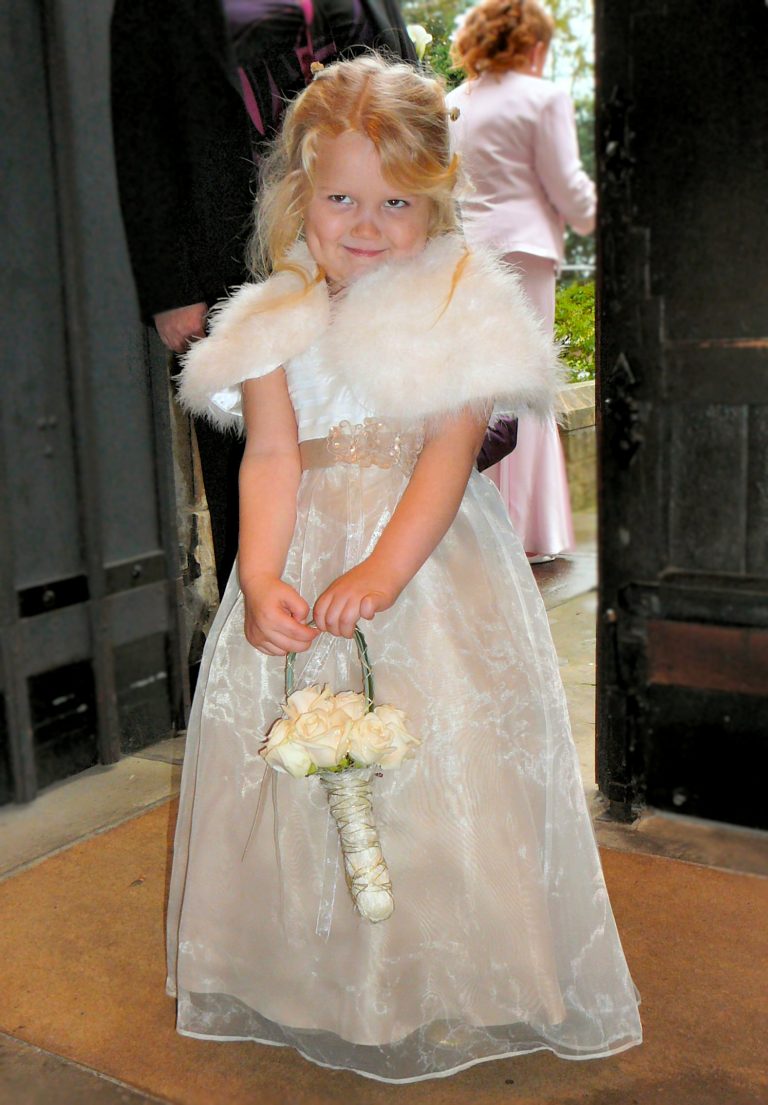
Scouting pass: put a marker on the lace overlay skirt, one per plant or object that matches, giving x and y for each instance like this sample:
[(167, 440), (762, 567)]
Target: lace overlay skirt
[(502, 940)]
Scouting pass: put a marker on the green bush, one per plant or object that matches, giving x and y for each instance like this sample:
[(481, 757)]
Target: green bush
[(438, 55), (436, 22), (575, 330)]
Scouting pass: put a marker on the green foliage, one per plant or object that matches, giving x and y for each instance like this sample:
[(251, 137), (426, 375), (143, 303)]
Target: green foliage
[(439, 60), (438, 20), (443, 13), (584, 110), (575, 329), (570, 54), (581, 250), (437, 55)]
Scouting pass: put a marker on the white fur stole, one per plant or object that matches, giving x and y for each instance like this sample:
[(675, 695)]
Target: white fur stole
[(255, 331), (407, 340)]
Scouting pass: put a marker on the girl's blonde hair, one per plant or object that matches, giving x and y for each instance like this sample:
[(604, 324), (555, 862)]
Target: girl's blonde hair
[(497, 35), (403, 113)]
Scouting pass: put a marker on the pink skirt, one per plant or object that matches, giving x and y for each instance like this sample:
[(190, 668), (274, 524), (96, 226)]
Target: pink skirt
[(533, 480), (534, 486)]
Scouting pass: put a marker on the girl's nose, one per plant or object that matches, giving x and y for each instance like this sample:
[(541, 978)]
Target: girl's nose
[(366, 226)]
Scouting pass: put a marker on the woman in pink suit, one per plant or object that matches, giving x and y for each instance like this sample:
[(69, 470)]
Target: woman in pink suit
[(517, 135)]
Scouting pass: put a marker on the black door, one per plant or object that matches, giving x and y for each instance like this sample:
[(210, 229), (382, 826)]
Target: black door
[(683, 396), (91, 644)]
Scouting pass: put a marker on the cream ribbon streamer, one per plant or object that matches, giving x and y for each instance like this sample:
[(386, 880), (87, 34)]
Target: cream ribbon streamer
[(330, 879)]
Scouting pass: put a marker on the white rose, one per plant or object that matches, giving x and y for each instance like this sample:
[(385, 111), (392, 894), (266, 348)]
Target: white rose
[(369, 740), (280, 731), (283, 753), (308, 698), (352, 703), (401, 742), (324, 736)]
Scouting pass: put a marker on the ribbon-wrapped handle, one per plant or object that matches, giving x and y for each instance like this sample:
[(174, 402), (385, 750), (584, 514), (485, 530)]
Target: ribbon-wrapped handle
[(350, 801), (350, 804)]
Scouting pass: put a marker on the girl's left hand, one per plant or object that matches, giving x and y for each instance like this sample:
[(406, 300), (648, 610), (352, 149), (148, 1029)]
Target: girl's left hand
[(359, 593)]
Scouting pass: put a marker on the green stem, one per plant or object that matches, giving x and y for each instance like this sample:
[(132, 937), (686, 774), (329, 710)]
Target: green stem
[(365, 668)]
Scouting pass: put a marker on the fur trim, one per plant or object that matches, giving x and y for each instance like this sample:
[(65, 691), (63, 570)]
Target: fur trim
[(251, 334), (423, 352), (405, 344)]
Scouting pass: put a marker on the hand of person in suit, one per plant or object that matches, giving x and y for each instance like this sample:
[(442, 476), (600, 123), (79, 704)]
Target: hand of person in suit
[(179, 326)]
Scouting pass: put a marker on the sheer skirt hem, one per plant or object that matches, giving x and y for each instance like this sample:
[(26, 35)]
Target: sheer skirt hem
[(604, 1053), (437, 1048), (503, 941)]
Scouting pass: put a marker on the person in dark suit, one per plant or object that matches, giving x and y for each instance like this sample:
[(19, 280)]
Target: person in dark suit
[(198, 89)]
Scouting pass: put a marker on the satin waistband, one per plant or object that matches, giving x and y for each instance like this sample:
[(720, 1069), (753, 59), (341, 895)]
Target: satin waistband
[(375, 442), (316, 454)]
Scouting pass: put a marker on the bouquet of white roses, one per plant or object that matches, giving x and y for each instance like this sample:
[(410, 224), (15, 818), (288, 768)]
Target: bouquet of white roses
[(343, 739)]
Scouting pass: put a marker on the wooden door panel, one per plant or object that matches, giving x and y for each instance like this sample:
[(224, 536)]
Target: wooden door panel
[(708, 472), (691, 735), (682, 391)]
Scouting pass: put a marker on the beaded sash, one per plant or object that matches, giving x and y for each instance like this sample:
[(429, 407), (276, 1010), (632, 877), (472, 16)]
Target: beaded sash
[(373, 442)]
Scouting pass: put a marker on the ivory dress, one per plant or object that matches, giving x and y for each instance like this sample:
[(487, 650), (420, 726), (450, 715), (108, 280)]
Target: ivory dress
[(502, 940)]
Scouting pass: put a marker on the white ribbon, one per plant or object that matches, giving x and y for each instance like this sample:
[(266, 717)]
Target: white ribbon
[(330, 879)]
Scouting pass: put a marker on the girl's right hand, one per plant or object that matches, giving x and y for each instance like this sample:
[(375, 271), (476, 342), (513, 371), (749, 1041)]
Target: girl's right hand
[(274, 617)]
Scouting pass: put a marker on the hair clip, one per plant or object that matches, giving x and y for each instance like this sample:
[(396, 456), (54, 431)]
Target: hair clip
[(454, 114), (315, 68)]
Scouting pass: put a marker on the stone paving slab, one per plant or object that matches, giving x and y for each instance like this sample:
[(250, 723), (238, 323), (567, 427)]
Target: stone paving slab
[(87, 803), (573, 573), (574, 635), (691, 839), (31, 1076), (170, 751)]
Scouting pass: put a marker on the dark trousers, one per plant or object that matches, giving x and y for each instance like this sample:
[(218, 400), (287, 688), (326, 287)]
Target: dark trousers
[(220, 455)]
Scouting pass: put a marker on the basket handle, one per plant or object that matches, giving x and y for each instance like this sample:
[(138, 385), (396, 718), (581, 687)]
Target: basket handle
[(365, 668)]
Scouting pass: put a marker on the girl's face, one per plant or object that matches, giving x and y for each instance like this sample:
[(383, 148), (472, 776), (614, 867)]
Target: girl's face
[(355, 219)]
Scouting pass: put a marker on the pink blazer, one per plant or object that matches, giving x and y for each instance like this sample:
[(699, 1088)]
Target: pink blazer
[(517, 136)]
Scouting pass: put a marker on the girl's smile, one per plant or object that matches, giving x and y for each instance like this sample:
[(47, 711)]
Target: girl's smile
[(355, 217)]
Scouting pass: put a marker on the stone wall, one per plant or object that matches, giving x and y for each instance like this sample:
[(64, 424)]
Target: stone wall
[(201, 593), (579, 438)]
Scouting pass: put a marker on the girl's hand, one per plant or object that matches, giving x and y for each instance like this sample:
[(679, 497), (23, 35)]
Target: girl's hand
[(359, 593), (274, 616)]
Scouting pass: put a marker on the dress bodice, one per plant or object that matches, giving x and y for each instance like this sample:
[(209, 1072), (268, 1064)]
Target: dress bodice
[(320, 401)]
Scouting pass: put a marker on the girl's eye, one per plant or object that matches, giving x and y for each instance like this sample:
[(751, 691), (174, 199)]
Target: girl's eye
[(395, 205), (339, 197)]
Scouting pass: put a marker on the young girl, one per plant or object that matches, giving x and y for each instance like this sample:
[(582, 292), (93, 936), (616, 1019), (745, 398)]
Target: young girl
[(369, 364)]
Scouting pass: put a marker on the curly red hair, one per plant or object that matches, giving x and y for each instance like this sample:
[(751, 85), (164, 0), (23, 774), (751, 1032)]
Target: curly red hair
[(497, 35)]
